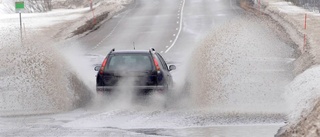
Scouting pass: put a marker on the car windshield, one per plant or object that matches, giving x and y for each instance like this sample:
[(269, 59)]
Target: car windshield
[(129, 62)]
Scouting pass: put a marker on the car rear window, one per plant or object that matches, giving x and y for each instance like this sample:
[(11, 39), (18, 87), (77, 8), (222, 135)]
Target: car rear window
[(129, 62)]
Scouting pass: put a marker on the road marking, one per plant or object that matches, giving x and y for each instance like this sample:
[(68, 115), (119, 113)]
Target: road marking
[(180, 27), (126, 13), (167, 46), (174, 35), (221, 15), (177, 22), (161, 52), (177, 28)]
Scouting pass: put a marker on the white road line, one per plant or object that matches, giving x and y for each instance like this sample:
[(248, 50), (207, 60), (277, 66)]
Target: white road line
[(180, 27), (171, 41), (174, 35), (177, 22), (127, 12), (167, 46), (161, 52)]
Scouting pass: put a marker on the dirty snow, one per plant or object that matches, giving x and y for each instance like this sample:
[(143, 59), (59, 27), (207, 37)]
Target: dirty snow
[(302, 94)]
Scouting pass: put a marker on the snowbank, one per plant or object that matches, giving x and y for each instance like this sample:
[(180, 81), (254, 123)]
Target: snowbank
[(8, 6), (105, 9), (58, 24), (302, 94), (293, 18), (32, 6)]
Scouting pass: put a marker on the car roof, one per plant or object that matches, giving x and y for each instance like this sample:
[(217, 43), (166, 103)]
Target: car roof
[(130, 52)]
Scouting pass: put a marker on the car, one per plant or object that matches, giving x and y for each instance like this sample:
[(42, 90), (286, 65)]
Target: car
[(147, 66)]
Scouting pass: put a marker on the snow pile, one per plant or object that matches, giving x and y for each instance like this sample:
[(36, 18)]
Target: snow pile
[(31, 6), (33, 23), (293, 18), (62, 22), (302, 94), (103, 10), (72, 4)]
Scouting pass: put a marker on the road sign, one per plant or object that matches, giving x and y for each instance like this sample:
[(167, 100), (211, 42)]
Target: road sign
[(19, 5), (20, 8)]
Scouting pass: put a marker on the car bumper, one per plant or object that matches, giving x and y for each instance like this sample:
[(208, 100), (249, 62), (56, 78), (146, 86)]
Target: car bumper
[(135, 88)]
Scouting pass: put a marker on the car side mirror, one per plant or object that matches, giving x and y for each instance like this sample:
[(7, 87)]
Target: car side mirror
[(97, 68), (172, 67)]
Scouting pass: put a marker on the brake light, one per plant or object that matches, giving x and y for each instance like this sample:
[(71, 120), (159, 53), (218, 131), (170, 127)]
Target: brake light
[(104, 63), (156, 63)]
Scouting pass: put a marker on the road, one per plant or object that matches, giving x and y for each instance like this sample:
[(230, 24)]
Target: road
[(168, 26), (251, 67)]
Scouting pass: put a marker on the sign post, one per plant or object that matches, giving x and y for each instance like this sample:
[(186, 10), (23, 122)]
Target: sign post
[(19, 7), (91, 8), (305, 33), (90, 4)]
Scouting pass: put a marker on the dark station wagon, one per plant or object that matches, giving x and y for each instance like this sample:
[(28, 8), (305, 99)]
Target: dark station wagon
[(148, 68)]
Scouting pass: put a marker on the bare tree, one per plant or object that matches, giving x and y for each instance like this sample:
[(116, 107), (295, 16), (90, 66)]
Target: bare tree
[(48, 4), (41, 5), (310, 4)]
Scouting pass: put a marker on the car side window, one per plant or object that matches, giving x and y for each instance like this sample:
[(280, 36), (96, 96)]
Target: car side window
[(164, 64)]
